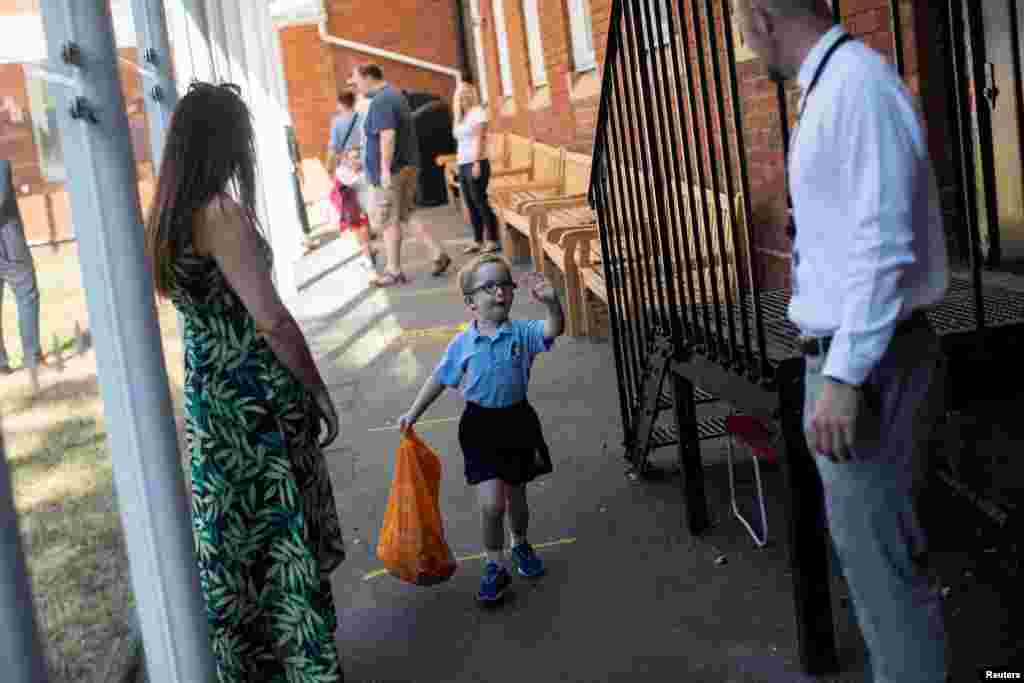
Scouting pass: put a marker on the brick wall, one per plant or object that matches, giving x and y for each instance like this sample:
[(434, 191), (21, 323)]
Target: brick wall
[(315, 71), (565, 112)]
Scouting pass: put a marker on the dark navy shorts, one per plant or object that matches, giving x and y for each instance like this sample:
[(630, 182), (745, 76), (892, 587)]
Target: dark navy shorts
[(503, 443)]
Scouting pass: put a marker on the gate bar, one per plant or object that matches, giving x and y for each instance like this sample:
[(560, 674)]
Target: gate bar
[(644, 266), (713, 341), (723, 129), (681, 238), (715, 181), (896, 21), (754, 280)]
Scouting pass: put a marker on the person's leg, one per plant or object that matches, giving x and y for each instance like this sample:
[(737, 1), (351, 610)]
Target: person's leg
[(386, 219), (492, 499), (489, 218), (407, 188), (19, 270), (5, 365), (518, 513), (466, 184), (872, 515), (523, 556)]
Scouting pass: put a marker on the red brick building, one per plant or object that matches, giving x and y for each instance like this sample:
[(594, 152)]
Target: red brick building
[(28, 131)]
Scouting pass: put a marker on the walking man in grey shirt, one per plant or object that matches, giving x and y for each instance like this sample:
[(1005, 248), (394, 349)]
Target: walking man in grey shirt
[(17, 270), (391, 159)]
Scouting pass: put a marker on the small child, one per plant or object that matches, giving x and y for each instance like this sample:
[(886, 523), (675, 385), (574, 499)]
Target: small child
[(500, 433)]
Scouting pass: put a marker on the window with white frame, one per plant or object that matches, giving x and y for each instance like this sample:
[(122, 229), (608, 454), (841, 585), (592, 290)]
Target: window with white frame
[(478, 44), (534, 47), (504, 61), (581, 31)]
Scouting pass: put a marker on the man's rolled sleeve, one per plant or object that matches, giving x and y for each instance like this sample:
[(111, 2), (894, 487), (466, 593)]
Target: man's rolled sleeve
[(878, 186)]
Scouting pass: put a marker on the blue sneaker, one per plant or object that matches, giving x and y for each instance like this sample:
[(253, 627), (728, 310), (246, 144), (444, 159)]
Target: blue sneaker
[(527, 562), (496, 580)]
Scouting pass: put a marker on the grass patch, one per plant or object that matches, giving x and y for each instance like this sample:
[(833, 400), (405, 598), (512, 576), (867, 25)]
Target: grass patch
[(56, 445)]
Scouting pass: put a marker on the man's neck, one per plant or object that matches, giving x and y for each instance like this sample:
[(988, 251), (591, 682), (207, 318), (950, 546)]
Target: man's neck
[(376, 88), (802, 40)]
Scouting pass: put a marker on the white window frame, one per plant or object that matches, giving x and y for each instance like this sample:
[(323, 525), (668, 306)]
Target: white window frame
[(534, 45), (581, 34), (504, 58), (478, 45)]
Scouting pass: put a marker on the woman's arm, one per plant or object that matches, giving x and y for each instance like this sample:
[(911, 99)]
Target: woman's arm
[(226, 234)]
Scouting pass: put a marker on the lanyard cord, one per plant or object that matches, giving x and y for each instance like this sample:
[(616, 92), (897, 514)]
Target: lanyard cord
[(791, 227)]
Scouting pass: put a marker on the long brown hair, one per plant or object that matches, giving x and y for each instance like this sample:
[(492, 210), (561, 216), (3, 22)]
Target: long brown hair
[(210, 148)]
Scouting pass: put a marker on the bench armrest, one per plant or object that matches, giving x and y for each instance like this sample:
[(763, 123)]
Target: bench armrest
[(539, 206), (512, 170), (564, 236), (503, 194)]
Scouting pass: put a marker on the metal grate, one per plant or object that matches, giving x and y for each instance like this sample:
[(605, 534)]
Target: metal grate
[(666, 434)]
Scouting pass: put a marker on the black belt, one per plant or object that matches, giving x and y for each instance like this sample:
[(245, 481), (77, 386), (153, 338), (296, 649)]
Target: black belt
[(818, 346)]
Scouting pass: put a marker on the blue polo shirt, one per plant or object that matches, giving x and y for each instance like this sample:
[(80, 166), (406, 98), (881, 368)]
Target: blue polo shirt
[(493, 372)]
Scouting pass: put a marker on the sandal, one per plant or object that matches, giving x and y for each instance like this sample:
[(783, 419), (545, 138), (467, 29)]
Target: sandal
[(490, 248), (441, 264), (389, 280), (471, 249)]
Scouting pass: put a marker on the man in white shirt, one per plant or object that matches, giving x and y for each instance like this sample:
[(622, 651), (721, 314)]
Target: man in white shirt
[(868, 256)]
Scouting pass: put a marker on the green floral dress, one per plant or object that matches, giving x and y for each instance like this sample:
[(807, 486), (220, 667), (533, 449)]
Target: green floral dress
[(266, 528)]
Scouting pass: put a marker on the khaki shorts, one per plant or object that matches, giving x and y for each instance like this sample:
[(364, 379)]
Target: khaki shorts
[(396, 203)]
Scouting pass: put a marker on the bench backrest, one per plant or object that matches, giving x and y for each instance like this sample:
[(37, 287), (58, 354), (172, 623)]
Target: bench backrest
[(497, 149), (518, 150), (547, 163), (576, 174)]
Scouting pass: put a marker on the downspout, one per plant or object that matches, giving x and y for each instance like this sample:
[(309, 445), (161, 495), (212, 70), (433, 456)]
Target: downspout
[(386, 54), (462, 40)]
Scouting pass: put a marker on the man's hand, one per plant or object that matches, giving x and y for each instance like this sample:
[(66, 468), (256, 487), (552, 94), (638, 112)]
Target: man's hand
[(833, 424)]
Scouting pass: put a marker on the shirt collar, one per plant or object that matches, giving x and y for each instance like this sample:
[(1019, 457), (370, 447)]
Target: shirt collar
[(817, 53), (475, 336)]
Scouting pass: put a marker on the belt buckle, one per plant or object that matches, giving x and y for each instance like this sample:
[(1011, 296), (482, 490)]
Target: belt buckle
[(808, 346)]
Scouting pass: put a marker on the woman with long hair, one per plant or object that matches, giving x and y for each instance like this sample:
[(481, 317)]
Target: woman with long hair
[(258, 414), (470, 131)]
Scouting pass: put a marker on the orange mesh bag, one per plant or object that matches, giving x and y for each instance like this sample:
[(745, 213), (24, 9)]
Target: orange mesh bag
[(412, 545)]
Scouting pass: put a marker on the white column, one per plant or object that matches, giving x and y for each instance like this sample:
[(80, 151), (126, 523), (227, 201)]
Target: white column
[(133, 379), (190, 41), (248, 43), (21, 648), (154, 56)]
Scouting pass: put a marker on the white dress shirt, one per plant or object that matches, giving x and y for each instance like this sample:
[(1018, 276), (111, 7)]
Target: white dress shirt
[(870, 247)]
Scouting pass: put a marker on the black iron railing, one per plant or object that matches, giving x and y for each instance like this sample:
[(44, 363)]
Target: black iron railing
[(671, 188)]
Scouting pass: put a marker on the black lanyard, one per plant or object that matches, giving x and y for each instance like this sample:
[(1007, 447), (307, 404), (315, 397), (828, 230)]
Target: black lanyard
[(846, 37)]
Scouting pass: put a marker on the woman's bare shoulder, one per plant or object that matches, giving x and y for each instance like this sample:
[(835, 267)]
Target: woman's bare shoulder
[(220, 220)]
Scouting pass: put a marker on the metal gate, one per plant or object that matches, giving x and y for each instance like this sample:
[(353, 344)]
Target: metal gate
[(671, 188)]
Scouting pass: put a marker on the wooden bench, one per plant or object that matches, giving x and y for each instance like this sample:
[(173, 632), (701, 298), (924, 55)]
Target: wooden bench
[(497, 152), (719, 263)]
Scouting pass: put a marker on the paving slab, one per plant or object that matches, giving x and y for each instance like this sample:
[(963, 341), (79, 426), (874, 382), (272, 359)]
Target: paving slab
[(629, 595)]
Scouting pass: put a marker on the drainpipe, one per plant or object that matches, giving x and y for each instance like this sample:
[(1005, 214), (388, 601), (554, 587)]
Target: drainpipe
[(386, 54), (462, 41)]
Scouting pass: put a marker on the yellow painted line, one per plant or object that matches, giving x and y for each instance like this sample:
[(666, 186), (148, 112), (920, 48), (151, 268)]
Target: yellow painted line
[(446, 331), (479, 556), (420, 423)]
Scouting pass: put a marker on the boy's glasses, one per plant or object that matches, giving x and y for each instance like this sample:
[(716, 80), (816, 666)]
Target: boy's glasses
[(491, 287)]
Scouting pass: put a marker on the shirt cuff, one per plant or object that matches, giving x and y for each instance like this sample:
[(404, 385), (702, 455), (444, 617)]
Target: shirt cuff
[(844, 365)]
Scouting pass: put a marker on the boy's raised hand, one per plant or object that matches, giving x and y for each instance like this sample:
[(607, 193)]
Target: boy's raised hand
[(540, 287)]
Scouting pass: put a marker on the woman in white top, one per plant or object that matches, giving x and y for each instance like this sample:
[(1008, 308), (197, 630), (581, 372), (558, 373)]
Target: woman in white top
[(470, 130)]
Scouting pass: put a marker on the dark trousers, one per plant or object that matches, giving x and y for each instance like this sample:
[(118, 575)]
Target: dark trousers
[(474, 194)]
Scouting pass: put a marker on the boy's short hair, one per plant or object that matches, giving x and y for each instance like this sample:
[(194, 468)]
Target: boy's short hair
[(468, 271)]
